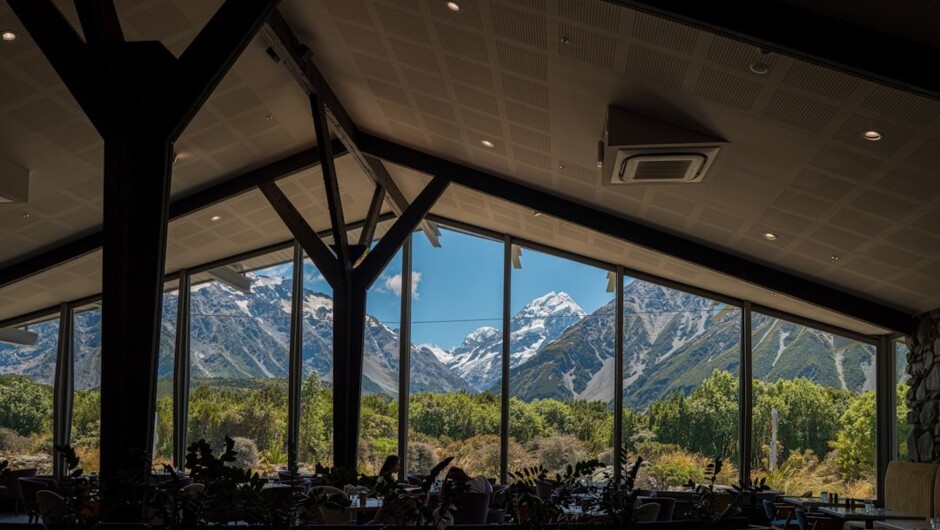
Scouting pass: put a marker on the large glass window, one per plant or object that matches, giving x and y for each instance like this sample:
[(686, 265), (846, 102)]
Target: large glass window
[(378, 417), (26, 398), (456, 357), (681, 355), (239, 344), (901, 407), (561, 362), (814, 411), (86, 403), (316, 397), (163, 427)]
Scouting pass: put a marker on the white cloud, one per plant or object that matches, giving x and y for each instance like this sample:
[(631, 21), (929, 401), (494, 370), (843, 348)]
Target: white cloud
[(313, 277), (393, 284)]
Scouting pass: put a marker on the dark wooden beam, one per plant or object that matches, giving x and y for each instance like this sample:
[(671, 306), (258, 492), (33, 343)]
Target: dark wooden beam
[(62, 252), (331, 184), (318, 251), (372, 218), (212, 53), (657, 240), (784, 28), (99, 22), (385, 250), (397, 199), (296, 58)]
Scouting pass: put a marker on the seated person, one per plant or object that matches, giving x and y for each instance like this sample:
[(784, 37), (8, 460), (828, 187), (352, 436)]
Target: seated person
[(456, 475), (390, 467)]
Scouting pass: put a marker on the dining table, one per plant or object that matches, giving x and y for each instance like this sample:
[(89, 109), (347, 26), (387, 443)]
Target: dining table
[(904, 524), (810, 503), (869, 517)]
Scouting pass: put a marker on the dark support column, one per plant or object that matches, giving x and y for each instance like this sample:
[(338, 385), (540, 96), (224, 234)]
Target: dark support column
[(295, 360), (181, 372), (349, 309), (504, 380), (404, 364), (746, 396), (885, 398), (136, 196), (618, 374), (63, 388), (139, 97)]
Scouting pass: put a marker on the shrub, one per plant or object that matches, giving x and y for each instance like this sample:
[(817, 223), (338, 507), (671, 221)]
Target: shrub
[(12, 442), (247, 456), (555, 452), (421, 457)]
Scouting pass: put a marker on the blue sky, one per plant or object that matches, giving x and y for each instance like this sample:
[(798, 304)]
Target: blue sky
[(458, 287)]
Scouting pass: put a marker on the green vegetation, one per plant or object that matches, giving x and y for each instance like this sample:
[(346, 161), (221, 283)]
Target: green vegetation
[(825, 436)]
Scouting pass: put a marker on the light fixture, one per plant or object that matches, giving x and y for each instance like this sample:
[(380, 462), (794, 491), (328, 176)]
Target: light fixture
[(487, 143), (26, 215), (8, 36), (565, 41), (536, 214), (773, 294), (215, 218), (770, 236), (453, 6), (834, 258), (759, 68), (268, 117), (561, 167), (176, 157), (871, 136)]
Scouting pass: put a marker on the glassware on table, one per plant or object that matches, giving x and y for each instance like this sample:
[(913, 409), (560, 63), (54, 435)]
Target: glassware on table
[(935, 523), (823, 497), (869, 508), (354, 497)]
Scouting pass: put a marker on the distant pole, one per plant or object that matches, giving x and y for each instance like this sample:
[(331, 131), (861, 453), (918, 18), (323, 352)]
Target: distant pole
[(772, 463)]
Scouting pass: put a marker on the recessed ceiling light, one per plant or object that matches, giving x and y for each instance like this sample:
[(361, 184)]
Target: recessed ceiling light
[(268, 117), (25, 215), (8, 36), (215, 218), (565, 41), (176, 157), (770, 236), (453, 6), (537, 214), (835, 258), (872, 136), (759, 68), (773, 294), (487, 143)]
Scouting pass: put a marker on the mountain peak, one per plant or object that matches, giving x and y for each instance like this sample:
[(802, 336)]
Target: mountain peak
[(552, 304)]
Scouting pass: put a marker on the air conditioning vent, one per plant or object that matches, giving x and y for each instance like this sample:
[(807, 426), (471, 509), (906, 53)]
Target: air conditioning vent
[(646, 151), (658, 165)]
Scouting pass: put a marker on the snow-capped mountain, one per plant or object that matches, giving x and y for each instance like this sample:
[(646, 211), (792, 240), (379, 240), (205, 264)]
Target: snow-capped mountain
[(240, 335), (477, 358)]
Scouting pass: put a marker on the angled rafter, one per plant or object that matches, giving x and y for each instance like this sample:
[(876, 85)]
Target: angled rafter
[(181, 207), (318, 251), (295, 57), (330, 183), (375, 261), (397, 199), (645, 236), (99, 22), (372, 218)]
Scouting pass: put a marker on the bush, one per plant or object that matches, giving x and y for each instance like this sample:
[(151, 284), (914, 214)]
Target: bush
[(555, 452), (12, 442), (421, 457), (247, 456)]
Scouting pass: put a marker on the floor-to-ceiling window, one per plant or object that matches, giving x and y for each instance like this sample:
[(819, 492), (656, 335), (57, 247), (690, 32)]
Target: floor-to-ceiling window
[(681, 358), (456, 353), (26, 398), (561, 351), (378, 417), (814, 415), (239, 343), (316, 396), (163, 424), (903, 426), (86, 400)]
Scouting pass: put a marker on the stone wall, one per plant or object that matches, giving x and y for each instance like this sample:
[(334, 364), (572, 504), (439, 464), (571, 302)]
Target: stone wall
[(923, 398)]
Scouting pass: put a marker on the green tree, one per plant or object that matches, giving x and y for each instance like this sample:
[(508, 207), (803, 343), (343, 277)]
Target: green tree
[(855, 441), (25, 406)]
